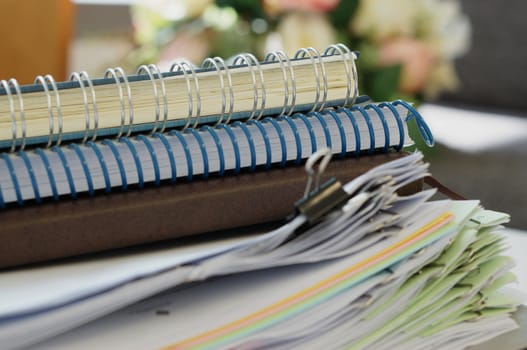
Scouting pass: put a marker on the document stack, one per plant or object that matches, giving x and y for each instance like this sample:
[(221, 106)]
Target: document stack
[(215, 159)]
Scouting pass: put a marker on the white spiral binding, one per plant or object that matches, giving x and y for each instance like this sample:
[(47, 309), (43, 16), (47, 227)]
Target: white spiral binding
[(281, 57), (47, 81), (152, 73), (118, 74), (221, 71), (152, 70), (347, 55), (83, 77), (7, 87), (312, 54), (185, 67), (251, 62)]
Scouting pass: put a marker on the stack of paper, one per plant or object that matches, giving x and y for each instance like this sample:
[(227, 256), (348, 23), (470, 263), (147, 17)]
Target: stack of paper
[(381, 271)]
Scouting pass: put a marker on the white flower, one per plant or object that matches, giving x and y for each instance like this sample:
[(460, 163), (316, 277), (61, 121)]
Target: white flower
[(439, 23), (444, 26), (381, 19), (174, 10), (443, 77), (193, 47), (416, 59), (304, 29)]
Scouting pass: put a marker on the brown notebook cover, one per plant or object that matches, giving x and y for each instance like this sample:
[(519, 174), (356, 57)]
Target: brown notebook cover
[(67, 228)]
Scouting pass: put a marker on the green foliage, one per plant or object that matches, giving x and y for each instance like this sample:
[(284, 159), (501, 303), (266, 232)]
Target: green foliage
[(228, 42), (381, 84), (341, 15), (245, 8)]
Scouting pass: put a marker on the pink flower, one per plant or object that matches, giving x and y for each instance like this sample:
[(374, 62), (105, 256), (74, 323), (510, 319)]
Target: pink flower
[(185, 45), (417, 60), (276, 7)]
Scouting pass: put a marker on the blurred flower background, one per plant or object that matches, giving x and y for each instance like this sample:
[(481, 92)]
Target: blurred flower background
[(407, 47)]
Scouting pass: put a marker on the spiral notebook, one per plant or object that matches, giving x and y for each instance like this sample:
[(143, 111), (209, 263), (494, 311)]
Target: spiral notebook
[(50, 112), (235, 120)]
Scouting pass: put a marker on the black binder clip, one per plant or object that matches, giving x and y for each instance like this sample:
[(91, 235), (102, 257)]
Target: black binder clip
[(323, 198)]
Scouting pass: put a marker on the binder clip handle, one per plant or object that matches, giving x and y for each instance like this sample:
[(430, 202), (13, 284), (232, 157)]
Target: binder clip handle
[(323, 198), (325, 155)]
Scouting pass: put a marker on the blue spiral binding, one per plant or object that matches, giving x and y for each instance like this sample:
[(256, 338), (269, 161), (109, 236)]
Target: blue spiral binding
[(51, 178), (118, 159), (102, 163), (251, 143), (355, 129), (380, 114), (235, 147), (424, 130), (133, 150), (266, 141), (399, 123), (343, 143), (310, 130), (153, 156), (324, 118), (219, 146), (87, 173), (281, 137), (298, 141), (204, 155), (170, 153), (188, 157), (324, 127), (73, 190), (368, 123), (32, 177), (14, 179)]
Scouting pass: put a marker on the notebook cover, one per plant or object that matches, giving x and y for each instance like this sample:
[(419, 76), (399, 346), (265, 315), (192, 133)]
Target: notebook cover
[(66, 228)]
